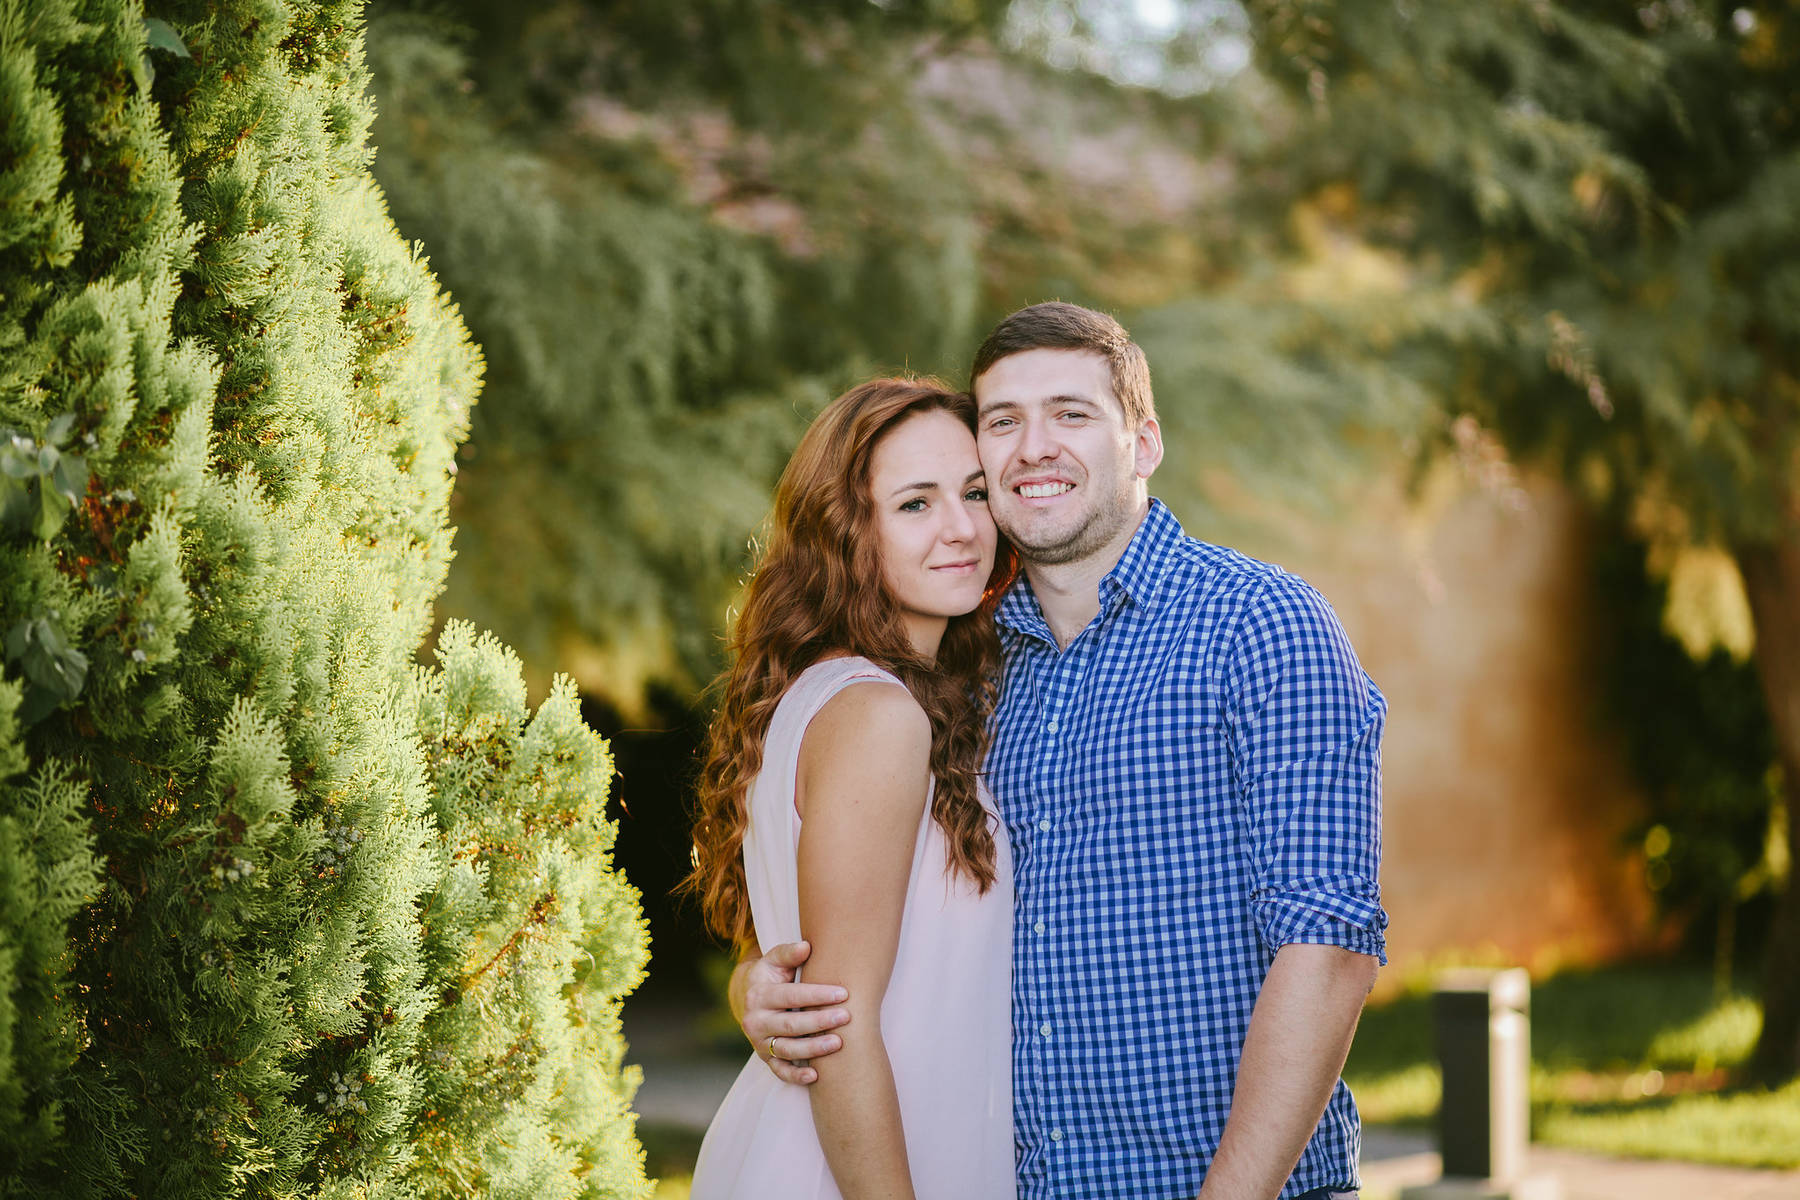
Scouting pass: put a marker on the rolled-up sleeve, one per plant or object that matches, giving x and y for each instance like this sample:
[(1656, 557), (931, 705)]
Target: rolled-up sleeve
[(1305, 724)]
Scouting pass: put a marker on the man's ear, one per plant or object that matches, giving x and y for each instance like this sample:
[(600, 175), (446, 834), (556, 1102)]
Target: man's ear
[(1147, 448)]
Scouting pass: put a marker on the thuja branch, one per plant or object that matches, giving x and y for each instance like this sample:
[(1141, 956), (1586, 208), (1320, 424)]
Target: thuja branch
[(539, 913)]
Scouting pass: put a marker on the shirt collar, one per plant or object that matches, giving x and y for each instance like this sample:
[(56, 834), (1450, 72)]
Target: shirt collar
[(1135, 575)]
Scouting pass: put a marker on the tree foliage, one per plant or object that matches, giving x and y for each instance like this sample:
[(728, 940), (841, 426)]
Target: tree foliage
[(1595, 206), (678, 229), (281, 912), (1697, 736)]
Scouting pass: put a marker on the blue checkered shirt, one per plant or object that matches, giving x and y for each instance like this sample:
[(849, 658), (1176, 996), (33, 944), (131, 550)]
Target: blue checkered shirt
[(1192, 784)]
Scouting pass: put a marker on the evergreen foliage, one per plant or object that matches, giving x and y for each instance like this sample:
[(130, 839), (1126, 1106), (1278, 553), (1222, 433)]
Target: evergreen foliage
[(526, 944), (678, 229), (276, 905), (1595, 205)]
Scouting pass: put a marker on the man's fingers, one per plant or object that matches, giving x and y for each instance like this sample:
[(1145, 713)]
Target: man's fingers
[(793, 1072), (798, 995), (765, 1024), (789, 954), (806, 1027), (799, 1049)]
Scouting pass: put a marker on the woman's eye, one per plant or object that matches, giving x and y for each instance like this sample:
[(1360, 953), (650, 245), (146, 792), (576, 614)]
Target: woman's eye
[(916, 504), (976, 495)]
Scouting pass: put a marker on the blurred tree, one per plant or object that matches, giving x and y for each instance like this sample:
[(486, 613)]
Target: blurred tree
[(1595, 203), (1696, 731), (677, 229), (281, 912)]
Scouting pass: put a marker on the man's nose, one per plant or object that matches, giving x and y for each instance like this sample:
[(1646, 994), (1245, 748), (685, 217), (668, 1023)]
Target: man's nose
[(1035, 442)]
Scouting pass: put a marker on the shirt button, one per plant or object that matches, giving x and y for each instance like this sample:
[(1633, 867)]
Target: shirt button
[(1038, 928), (1056, 1135), (1044, 824), (1044, 1029), (1052, 725)]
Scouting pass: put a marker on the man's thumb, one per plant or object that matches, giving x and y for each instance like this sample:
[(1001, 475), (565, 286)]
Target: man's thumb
[(788, 954)]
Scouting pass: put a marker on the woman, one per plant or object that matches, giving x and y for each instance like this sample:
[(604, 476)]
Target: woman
[(841, 802)]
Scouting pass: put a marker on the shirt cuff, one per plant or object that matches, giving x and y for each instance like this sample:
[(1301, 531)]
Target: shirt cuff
[(1348, 916)]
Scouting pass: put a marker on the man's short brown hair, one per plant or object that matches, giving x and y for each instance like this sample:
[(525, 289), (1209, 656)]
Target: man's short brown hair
[(1055, 325)]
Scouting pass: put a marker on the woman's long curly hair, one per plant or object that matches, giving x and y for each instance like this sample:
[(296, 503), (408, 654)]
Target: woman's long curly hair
[(818, 589)]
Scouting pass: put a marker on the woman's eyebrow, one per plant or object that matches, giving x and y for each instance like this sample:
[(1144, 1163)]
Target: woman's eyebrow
[(917, 487)]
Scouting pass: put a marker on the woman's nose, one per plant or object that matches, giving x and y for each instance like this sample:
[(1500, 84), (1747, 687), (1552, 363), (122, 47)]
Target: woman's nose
[(959, 524)]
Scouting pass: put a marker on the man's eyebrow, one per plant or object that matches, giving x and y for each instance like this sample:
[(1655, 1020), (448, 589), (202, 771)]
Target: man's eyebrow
[(1058, 398)]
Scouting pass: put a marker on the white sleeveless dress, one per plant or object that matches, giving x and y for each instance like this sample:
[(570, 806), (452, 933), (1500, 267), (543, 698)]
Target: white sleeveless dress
[(946, 1018)]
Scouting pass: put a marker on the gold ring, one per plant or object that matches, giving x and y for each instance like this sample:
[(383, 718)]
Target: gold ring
[(772, 1053)]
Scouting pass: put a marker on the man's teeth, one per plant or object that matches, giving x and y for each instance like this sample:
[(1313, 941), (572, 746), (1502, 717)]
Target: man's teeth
[(1037, 491)]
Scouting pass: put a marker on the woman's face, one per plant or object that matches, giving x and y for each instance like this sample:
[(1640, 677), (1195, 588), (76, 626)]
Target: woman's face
[(931, 519)]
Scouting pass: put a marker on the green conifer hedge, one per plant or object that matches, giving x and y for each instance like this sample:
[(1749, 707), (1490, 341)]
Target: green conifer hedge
[(281, 912)]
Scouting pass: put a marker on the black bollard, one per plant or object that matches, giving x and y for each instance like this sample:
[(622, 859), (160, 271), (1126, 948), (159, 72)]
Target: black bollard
[(1483, 1028)]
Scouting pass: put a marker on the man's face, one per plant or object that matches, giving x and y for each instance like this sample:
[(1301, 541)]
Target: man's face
[(1064, 470)]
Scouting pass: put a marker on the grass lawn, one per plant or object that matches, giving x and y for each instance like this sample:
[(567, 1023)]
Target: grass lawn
[(1625, 1060)]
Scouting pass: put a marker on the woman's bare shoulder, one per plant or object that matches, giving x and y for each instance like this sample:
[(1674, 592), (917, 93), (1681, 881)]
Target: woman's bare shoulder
[(873, 731)]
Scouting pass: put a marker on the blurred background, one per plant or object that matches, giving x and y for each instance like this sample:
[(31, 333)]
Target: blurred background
[(1483, 318)]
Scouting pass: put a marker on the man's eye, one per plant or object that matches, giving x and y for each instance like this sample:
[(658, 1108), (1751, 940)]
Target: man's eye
[(1000, 422), (1075, 416), (916, 504)]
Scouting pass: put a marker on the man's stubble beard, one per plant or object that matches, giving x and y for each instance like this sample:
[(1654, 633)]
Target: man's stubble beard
[(1104, 524)]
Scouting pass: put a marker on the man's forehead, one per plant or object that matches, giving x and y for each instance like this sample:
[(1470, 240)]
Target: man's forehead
[(1045, 374)]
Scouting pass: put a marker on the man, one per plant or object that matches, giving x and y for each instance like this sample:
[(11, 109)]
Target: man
[(1187, 756)]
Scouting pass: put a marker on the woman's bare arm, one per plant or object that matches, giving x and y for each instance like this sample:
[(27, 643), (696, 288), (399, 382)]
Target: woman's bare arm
[(864, 768)]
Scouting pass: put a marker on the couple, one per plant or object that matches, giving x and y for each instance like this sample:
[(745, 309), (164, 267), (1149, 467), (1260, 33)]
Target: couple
[(1134, 969)]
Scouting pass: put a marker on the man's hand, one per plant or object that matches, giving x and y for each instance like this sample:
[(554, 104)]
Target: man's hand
[(786, 1021)]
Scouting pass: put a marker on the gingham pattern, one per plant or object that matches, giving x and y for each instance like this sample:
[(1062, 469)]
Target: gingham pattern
[(1192, 784)]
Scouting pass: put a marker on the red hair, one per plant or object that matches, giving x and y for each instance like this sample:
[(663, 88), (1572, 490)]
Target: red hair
[(818, 589)]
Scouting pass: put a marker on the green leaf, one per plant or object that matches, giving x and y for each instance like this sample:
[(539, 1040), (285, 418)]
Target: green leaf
[(49, 661), (15, 503), (18, 457), (60, 427), (51, 510), (71, 477), (160, 35), (18, 640)]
